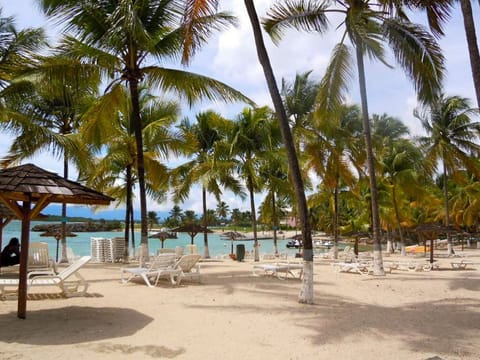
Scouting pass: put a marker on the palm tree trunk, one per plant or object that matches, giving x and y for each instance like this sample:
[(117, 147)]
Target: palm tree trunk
[(397, 219), (472, 45), (275, 223), (335, 221), (254, 218), (133, 84), (128, 202), (306, 292), (205, 222), (64, 258), (447, 209), (132, 226), (377, 245)]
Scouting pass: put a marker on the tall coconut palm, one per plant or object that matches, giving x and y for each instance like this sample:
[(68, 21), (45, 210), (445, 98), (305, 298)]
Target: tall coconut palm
[(252, 136), (208, 166), (401, 165), (306, 292), (367, 27), (333, 152), (466, 201), (274, 173), (222, 210), (299, 100), (48, 113), (127, 38), (451, 139), (109, 128)]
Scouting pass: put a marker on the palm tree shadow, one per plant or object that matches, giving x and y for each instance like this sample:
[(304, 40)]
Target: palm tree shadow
[(421, 325), (71, 325)]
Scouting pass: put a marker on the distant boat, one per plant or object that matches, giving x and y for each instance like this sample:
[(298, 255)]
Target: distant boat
[(323, 244), (291, 244)]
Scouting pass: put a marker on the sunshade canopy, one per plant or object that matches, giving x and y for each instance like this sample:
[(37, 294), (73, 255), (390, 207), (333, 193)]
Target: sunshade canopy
[(32, 185), (192, 230)]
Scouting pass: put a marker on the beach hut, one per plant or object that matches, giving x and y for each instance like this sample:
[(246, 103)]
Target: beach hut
[(26, 190)]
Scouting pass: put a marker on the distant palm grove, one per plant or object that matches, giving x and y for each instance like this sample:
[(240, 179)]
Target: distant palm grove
[(101, 99)]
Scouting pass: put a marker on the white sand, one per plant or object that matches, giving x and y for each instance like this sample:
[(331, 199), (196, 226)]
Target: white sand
[(234, 315)]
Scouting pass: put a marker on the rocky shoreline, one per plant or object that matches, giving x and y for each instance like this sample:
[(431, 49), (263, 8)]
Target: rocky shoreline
[(79, 227)]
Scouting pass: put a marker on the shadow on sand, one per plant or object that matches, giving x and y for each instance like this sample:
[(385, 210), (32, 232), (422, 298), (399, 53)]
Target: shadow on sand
[(71, 325)]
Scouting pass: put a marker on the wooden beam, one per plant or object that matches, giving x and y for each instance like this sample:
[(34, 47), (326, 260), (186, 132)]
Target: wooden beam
[(12, 205), (42, 202)]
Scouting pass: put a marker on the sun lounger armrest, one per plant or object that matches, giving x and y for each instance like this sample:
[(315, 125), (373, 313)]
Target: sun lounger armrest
[(53, 277), (46, 273)]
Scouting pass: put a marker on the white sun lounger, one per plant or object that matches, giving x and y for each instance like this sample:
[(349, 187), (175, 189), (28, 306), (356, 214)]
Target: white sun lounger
[(276, 269), (162, 265), (77, 287), (354, 267), (189, 266), (461, 265)]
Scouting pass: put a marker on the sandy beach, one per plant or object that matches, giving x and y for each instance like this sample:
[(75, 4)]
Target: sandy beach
[(232, 314)]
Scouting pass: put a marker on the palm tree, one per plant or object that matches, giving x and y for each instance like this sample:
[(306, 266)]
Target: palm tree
[(274, 173), (207, 166), (451, 139), (299, 100), (222, 210), (109, 129), (473, 52), (466, 201), (17, 49), (333, 149), (306, 293), (175, 217), (152, 219), (252, 136), (366, 26), (438, 12), (47, 114), (401, 164), (123, 38)]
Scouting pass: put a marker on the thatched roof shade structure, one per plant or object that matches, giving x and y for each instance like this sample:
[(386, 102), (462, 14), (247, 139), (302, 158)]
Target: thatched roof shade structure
[(430, 231), (163, 235), (192, 230), (26, 185)]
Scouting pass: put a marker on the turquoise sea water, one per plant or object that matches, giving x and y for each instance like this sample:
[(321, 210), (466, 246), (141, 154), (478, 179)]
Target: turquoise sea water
[(81, 243)]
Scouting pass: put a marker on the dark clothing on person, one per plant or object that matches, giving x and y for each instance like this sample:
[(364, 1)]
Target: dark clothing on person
[(11, 253)]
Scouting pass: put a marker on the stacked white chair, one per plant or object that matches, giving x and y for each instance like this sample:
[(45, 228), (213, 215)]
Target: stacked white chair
[(96, 249), (118, 244)]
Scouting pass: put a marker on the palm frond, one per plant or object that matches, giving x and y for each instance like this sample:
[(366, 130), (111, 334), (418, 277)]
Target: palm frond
[(334, 85), (192, 87), (307, 15), (419, 55)]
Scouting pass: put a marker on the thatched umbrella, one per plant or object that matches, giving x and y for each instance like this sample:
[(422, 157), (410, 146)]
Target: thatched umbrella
[(356, 235), (57, 234), (232, 235), (192, 230), (163, 235), (26, 185), (430, 231)]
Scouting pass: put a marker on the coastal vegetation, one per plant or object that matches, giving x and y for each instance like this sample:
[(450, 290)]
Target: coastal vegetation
[(102, 100)]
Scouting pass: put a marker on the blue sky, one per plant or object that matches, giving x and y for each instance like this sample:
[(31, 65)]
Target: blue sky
[(231, 57)]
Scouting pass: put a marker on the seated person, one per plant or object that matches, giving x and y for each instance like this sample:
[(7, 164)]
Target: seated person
[(11, 253)]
